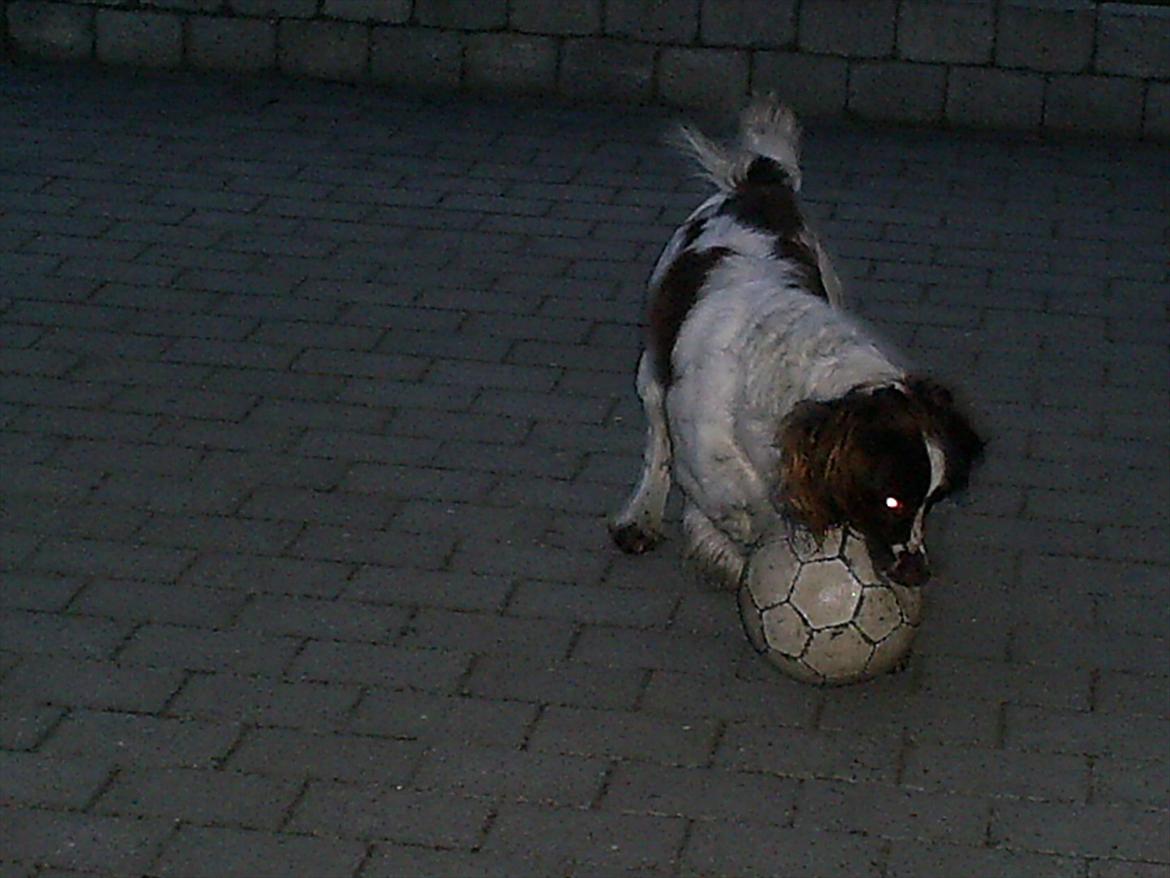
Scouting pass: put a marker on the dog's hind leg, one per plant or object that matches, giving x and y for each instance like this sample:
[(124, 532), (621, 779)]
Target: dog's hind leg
[(637, 527), (710, 550)]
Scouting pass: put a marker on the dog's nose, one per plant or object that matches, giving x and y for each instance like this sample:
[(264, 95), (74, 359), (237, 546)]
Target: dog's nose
[(911, 569)]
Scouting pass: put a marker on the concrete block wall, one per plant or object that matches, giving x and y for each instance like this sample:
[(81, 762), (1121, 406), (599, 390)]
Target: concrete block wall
[(1045, 65)]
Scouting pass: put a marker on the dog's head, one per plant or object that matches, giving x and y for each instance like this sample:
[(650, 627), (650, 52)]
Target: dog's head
[(876, 461)]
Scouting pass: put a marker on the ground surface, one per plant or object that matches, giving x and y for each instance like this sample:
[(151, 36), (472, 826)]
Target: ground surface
[(314, 400)]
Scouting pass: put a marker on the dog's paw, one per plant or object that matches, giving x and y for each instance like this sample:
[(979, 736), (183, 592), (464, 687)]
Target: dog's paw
[(632, 538)]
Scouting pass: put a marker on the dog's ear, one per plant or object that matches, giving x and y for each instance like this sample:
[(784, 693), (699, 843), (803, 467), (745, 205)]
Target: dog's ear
[(961, 444), (803, 492)]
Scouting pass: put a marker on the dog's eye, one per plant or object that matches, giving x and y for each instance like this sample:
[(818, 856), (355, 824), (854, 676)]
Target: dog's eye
[(895, 505)]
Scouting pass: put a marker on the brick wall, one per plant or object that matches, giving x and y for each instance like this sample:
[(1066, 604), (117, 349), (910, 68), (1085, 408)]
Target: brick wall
[(1063, 65)]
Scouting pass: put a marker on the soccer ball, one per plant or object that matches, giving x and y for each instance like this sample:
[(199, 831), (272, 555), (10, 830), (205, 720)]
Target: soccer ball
[(821, 613)]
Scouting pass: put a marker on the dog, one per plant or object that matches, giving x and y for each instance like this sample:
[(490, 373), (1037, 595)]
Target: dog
[(766, 401)]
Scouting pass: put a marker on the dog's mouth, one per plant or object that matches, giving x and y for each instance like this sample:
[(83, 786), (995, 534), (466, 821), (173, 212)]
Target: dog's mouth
[(905, 567)]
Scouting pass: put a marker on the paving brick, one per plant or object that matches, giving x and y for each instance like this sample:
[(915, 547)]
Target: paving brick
[(389, 861), (81, 841), (700, 793), (738, 849), (446, 589), (204, 649), (453, 14), (747, 23), (672, 21), (894, 90), (143, 38), (924, 718), (842, 27), (592, 838), (668, 650), (326, 50), (459, 770), (383, 812), (941, 859), (364, 10), (489, 634), (264, 700), (416, 58), (1125, 869), (561, 683), (220, 852), (1000, 773), (33, 592), (890, 812), (100, 684), (231, 44), (1133, 42), (510, 61), (44, 781), (957, 31), (443, 720), (276, 575), (1157, 112), (204, 796), (1111, 831), (625, 735), (813, 85), (293, 753), (1126, 780), (636, 608), (1016, 682), (670, 693), (1078, 103), (1052, 37), (51, 30), (764, 746), (58, 634), (134, 740), (703, 77), (994, 98), (380, 665), (1086, 733), (574, 17)]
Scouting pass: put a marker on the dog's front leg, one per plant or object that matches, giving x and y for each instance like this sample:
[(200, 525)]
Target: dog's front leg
[(637, 527)]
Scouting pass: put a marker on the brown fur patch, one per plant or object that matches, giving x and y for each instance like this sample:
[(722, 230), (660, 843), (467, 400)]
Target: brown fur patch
[(673, 299), (766, 201)]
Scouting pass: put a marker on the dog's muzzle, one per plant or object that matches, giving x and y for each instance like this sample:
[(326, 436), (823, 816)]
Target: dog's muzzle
[(910, 569)]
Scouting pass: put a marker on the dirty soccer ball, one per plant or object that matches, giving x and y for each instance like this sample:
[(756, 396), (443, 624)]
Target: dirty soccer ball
[(821, 614)]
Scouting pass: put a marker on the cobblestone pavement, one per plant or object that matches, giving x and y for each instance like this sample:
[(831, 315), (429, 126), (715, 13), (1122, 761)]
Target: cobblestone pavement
[(314, 400)]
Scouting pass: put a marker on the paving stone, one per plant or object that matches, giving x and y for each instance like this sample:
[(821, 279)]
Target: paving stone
[(942, 859), (82, 842), (1106, 831), (525, 776), (298, 754), (394, 814), (562, 683), (840, 27), (739, 848), (138, 740), (264, 700), (591, 838), (100, 684), (47, 782), (204, 796), (51, 30), (212, 852)]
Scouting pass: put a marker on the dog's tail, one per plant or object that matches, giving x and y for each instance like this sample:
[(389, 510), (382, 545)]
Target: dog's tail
[(767, 128)]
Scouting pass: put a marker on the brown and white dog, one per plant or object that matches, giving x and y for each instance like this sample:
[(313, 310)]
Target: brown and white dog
[(765, 400)]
